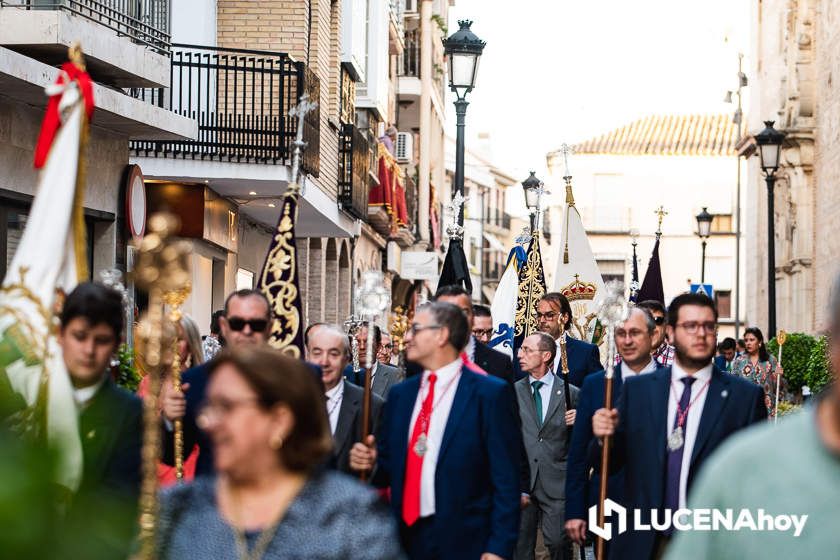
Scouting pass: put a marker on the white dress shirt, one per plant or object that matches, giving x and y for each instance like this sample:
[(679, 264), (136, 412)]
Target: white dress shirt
[(692, 422), (561, 338), (334, 398), (469, 349), (627, 373), (448, 378), (545, 390), (83, 396)]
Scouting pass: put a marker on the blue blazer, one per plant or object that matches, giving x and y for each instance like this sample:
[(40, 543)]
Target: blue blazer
[(477, 473), (584, 358), (732, 403), (581, 492)]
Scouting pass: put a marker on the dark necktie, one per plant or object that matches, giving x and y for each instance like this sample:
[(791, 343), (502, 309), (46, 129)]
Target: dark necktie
[(538, 400), (675, 457)]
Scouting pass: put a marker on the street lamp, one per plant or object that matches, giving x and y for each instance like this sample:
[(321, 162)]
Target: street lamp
[(463, 50), (769, 142), (704, 228), (534, 189)]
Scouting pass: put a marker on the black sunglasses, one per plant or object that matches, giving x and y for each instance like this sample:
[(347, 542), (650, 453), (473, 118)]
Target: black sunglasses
[(238, 324), (659, 320)]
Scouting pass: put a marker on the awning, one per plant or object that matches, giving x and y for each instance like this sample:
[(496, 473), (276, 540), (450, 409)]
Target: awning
[(494, 242)]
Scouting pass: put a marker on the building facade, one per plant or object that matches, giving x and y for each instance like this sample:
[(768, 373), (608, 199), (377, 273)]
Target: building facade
[(620, 179)]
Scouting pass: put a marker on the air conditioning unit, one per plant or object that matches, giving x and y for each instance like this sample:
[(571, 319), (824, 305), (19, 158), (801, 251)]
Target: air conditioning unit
[(404, 150), (411, 6)]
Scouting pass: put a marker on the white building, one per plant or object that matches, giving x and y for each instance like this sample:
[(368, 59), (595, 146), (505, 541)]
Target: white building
[(620, 179)]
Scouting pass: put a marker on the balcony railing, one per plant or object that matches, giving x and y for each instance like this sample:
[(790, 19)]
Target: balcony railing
[(410, 64), (143, 21), (241, 100), (353, 162)]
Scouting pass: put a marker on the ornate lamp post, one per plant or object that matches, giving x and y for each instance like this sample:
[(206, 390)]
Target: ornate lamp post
[(769, 142), (704, 228), (534, 191), (463, 49)]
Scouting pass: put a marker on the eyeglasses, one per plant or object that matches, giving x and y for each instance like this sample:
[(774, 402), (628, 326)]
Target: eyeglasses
[(387, 346), (659, 319), (693, 327), (632, 333), (415, 328), (211, 411), (547, 315), (482, 332), (237, 324)]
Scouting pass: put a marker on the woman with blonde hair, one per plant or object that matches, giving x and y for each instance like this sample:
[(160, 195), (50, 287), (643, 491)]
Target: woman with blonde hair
[(190, 354)]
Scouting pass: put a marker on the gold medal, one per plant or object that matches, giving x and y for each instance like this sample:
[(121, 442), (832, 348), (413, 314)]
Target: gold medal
[(420, 446), (675, 440)]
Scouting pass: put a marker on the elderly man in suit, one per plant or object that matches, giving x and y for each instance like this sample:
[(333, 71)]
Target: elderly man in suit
[(330, 349), (383, 375), (448, 448), (546, 426), (492, 362), (669, 422), (554, 317), (634, 341)]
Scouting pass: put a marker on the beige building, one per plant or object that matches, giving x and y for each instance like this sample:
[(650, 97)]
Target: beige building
[(795, 60), (620, 179)]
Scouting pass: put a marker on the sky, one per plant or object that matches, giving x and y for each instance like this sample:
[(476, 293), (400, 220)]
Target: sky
[(556, 71)]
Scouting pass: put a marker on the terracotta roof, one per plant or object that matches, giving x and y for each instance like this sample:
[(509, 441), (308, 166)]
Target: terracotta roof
[(665, 135)]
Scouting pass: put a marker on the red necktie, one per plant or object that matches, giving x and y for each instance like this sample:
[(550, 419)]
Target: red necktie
[(414, 460)]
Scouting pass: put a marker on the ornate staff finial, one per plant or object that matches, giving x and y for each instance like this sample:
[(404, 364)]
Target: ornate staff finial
[(303, 108), (566, 150), (525, 237), (661, 213), (454, 230)]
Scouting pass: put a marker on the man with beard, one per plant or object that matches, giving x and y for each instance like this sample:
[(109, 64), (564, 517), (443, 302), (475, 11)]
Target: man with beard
[(676, 417), (554, 317)]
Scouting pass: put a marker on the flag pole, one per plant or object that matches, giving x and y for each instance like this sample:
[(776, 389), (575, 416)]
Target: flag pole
[(612, 312)]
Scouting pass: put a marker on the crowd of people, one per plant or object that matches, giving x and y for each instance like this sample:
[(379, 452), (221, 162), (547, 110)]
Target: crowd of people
[(466, 452)]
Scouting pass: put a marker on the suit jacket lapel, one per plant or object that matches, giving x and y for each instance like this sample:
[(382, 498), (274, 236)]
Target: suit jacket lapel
[(349, 405), (525, 396), (554, 400), (660, 390), (380, 380), (713, 407), (402, 422), (463, 395)]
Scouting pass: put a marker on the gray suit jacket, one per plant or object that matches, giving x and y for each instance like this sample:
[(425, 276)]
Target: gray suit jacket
[(546, 445), (349, 427), (386, 376)]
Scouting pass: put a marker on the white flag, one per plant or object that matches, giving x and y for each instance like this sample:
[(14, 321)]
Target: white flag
[(45, 262), (503, 306), (577, 275)]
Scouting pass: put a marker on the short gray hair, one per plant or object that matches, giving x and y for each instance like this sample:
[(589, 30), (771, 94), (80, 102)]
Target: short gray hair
[(333, 329), (547, 344), (649, 322)]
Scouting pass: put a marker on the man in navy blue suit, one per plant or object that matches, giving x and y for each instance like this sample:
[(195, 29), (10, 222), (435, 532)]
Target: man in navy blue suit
[(244, 324), (634, 342), (449, 448), (554, 316), (726, 349), (667, 423)]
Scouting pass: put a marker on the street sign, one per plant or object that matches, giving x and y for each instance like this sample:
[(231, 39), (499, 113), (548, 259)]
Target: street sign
[(419, 265), (705, 289)]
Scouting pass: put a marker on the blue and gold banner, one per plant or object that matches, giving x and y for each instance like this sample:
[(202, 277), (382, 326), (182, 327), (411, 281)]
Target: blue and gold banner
[(531, 290)]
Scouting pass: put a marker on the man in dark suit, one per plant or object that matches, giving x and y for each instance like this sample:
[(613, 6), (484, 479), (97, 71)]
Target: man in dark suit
[(245, 324), (726, 354), (448, 448), (554, 317), (383, 375), (634, 342), (676, 417), (546, 425), (110, 420), (492, 362), (329, 348)]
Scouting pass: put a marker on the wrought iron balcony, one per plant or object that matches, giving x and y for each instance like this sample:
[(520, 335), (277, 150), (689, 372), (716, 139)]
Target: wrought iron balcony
[(410, 63), (353, 165), (143, 21), (241, 100)]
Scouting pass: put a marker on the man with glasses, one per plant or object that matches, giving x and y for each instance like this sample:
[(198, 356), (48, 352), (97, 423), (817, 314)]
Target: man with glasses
[(554, 317), (546, 425), (448, 448), (633, 341), (667, 423), (382, 375), (662, 351), (245, 324), (482, 328)]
